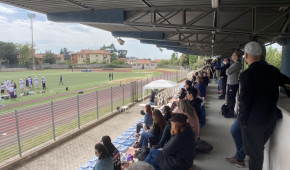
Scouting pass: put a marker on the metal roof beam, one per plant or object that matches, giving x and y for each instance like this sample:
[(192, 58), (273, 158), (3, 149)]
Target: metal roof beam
[(97, 16), (140, 35), (200, 16), (275, 19), (236, 17)]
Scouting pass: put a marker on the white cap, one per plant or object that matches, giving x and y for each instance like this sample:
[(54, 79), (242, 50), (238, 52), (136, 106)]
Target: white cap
[(253, 48)]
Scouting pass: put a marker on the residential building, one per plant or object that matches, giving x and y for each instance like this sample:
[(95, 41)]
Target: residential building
[(144, 64), (59, 58), (91, 56)]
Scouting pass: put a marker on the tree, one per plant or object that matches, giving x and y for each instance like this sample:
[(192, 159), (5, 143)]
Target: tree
[(122, 53), (163, 63), (49, 57), (8, 52), (65, 53), (118, 62), (114, 56), (274, 57), (192, 59), (173, 59), (111, 48), (24, 52), (183, 61)]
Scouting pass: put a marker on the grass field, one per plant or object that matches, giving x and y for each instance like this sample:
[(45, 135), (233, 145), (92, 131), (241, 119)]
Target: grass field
[(75, 81)]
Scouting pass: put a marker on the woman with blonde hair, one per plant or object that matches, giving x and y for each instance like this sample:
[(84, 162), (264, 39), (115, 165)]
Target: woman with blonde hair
[(186, 108)]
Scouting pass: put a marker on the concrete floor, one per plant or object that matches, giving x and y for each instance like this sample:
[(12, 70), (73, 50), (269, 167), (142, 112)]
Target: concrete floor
[(72, 154)]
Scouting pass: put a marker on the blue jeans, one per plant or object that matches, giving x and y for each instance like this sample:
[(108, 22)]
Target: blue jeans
[(220, 84), (202, 117), (166, 135), (238, 139), (151, 103), (144, 138), (154, 153)]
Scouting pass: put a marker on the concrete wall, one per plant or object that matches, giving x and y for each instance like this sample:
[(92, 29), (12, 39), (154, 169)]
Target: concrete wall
[(277, 149), (12, 69)]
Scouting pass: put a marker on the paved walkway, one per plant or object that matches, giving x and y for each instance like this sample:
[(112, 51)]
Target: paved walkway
[(71, 155)]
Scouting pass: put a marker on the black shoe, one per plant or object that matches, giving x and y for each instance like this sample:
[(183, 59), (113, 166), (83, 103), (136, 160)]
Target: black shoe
[(221, 97)]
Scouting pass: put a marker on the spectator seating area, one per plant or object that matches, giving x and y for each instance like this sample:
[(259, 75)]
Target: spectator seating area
[(122, 143)]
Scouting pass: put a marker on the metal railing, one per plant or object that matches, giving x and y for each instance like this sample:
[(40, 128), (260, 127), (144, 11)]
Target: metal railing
[(25, 129)]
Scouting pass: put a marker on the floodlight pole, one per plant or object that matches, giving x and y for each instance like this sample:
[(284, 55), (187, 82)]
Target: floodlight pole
[(31, 16)]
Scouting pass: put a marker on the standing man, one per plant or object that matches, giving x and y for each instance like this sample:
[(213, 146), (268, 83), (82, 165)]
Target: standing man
[(60, 80), (112, 76), (224, 77), (43, 83), (217, 68), (109, 76), (233, 83), (21, 85), (36, 81), (258, 103), (152, 97)]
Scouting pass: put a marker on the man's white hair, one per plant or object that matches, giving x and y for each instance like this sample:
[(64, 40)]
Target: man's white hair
[(140, 165)]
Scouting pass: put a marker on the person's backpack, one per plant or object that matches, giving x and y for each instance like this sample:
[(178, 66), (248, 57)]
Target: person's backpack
[(225, 110)]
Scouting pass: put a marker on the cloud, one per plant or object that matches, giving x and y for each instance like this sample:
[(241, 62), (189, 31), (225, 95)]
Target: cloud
[(54, 36), (6, 10), (3, 20)]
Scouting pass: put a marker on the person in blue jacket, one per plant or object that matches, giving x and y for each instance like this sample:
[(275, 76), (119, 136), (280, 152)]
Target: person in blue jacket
[(105, 161)]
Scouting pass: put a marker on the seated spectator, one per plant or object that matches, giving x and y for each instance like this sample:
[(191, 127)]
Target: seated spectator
[(178, 153), (201, 87), (186, 108), (148, 120), (205, 78), (188, 84), (105, 161), (166, 132), (140, 165), (202, 93), (182, 93), (166, 111), (194, 78), (155, 131), (113, 151), (195, 101)]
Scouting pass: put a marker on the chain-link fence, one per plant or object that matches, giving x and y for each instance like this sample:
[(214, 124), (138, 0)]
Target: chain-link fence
[(25, 129)]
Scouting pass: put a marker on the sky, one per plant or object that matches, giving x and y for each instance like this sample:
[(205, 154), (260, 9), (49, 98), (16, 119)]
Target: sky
[(15, 27)]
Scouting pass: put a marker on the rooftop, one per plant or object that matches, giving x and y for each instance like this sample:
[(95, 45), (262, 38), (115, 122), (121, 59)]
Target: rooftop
[(93, 52)]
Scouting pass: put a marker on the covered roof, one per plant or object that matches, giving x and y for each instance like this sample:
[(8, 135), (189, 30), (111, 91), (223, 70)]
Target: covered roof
[(143, 61), (187, 26), (93, 52)]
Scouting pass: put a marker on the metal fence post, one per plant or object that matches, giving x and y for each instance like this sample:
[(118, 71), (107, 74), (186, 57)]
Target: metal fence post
[(123, 95), (137, 93), (112, 99), (18, 133), (52, 119), (132, 92), (147, 83), (79, 121), (97, 104), (141, 89)]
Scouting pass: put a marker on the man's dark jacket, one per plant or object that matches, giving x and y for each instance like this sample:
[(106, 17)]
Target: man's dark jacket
[(178, 153), (223, 70), (259, 94)]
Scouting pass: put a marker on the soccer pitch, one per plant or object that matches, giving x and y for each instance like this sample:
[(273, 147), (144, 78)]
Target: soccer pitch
[(75, 81)]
